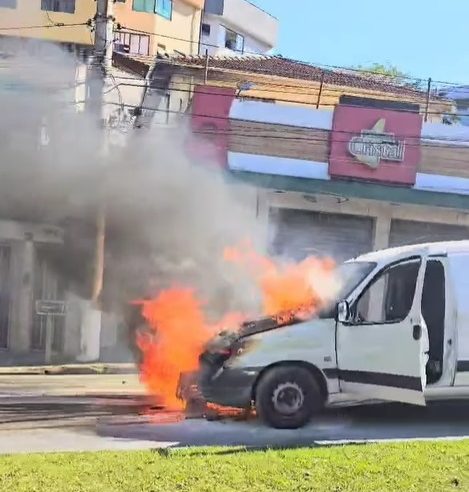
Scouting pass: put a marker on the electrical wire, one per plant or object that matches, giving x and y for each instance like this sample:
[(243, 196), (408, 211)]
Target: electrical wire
[(437, 140), (47, 26), (296, 86), (353, 70), (378, 79), (303, 103), (415, 95)]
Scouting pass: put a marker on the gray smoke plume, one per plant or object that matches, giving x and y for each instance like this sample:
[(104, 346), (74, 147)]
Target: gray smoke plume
[(168, 219)]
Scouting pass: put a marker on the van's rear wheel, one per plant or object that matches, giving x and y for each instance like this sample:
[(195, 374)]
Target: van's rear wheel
[(288, 397)]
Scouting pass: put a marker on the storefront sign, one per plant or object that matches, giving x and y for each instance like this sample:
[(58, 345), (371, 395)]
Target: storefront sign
[(208, 142), (375, 144)]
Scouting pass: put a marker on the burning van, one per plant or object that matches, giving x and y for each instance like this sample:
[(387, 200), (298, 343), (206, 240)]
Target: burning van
[(397, 332)]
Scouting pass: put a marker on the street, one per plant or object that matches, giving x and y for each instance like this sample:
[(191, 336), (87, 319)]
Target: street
[(111, 419)]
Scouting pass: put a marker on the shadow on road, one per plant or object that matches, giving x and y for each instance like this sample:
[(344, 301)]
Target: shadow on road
[(377, 423)]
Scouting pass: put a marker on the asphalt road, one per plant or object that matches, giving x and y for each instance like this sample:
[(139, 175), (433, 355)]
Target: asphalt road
[(81, 423)]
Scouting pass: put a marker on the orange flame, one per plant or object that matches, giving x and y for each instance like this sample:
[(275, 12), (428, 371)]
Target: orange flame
[(180, 329), (179, 334), (287, 288)]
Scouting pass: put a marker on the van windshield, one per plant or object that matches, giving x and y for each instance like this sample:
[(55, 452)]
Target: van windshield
[(351, 274)]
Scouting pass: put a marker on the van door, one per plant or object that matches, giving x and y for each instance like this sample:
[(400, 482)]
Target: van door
[(383, 349)]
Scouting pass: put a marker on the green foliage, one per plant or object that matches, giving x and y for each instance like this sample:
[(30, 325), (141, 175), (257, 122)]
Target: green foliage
[(395, 75)]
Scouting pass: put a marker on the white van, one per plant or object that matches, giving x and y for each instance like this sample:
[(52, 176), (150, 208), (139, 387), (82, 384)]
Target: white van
[(398, 332)]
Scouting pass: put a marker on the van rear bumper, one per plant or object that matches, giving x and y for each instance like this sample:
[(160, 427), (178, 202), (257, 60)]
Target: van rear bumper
[(230, 387)]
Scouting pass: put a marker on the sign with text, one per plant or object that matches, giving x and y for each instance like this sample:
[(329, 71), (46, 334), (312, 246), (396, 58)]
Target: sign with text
[(51, 308), (374, 144)]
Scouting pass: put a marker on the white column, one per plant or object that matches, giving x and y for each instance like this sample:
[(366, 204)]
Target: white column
[(90, 332), (22, 297), (382, 231), (380, 241)]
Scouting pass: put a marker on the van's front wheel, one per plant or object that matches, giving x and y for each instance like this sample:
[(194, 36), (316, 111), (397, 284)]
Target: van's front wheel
[(288, 397)]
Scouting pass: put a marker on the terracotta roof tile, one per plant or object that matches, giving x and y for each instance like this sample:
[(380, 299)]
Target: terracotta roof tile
[(285, 67)]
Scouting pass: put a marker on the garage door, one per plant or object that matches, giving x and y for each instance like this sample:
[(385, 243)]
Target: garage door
[(297, 234), (405, 232)]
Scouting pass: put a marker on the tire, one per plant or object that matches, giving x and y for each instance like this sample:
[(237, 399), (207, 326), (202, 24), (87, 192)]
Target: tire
[(288, 397)]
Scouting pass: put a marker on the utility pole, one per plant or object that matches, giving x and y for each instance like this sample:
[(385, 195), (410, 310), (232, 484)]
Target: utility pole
[(97, 86), (103, 47)]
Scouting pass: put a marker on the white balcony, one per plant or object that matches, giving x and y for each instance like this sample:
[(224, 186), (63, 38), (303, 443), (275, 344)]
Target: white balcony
[(245, 18)]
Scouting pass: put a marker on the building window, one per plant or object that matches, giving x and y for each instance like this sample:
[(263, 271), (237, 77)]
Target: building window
[(136, 44), (160, 7), (8, 4), (144, 6), (66, 6), (206, 29), (234, 41), (164, 8)]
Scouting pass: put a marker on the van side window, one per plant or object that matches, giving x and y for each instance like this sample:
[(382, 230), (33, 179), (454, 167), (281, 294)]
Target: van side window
[(389, 297)]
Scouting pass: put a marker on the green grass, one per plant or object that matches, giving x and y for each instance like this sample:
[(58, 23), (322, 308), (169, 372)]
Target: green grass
[(425, 466)]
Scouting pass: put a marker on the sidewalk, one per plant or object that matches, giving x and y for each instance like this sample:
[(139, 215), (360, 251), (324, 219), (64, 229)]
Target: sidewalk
[(36, 385), (70, 369)]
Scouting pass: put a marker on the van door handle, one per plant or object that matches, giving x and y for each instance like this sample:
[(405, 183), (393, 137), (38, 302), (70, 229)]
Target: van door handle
[(417, 332)]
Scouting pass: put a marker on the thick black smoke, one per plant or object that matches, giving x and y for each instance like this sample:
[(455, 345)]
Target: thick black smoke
[(168, 219)]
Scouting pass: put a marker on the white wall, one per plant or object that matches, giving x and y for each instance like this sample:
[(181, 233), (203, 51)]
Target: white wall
[(252, 20), (257, 27)]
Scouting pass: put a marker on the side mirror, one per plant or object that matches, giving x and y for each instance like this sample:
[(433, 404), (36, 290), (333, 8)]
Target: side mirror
[(343, 312)]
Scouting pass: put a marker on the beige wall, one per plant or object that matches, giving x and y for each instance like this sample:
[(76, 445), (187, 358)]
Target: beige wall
[(184, 25), (29, 13)]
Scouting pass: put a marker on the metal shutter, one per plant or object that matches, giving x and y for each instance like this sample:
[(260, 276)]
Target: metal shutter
[(297, 234), (404, 232)]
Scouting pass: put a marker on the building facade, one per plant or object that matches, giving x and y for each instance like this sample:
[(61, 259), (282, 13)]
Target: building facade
[(147, 26), (368, 175), (236, 27), (274, 79), (460, 96)]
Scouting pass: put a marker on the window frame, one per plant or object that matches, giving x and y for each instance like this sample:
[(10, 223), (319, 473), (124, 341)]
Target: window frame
[(230, 31), (237, 35), (47, 4), (206, 26), (161, 11), (144, 9), (122, 36), (10, 4), (375, 278)]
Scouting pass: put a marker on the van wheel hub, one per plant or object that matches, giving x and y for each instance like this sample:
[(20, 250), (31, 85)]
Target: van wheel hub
[(288, 398)]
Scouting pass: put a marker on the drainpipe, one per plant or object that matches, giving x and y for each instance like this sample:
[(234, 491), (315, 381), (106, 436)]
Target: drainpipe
[(427, 102), (206, 67), (200, 29)]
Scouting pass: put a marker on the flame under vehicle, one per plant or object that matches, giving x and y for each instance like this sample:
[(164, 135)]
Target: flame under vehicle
[(399, 331)]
